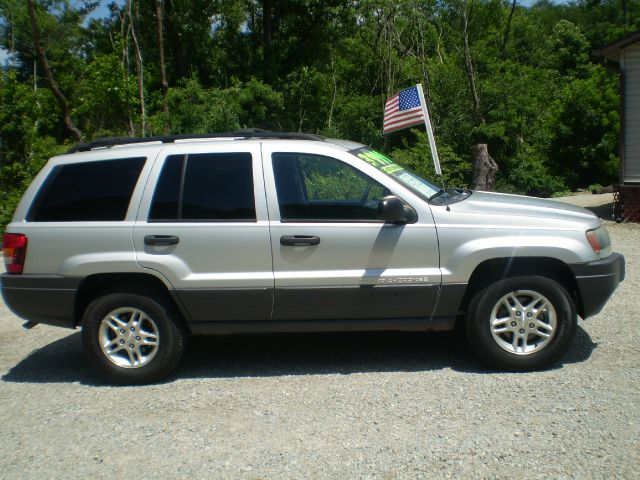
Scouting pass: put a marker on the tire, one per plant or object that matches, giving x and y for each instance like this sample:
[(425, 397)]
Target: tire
[(132, 338), (521, 323)]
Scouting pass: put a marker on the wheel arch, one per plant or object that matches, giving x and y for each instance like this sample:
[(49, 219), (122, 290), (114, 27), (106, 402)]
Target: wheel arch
[(495, 269), (97, 285)]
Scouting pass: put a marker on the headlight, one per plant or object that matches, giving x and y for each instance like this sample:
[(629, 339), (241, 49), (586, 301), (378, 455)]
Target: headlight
[(599, 240)]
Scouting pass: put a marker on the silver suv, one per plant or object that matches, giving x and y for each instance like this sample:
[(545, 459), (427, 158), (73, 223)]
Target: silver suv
[(142, 242)]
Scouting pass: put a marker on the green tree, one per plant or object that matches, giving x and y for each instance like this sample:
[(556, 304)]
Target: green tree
[(522, 81), (586, 125)]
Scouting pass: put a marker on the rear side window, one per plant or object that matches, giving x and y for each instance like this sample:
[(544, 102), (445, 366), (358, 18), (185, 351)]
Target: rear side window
[(88, 191), (206, 187)]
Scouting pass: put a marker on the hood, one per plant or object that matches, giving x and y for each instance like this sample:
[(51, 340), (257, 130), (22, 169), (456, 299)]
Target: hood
[(521, 206)]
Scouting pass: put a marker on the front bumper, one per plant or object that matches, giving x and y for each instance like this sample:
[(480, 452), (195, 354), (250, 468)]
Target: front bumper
[(597, 281), (48, 299)]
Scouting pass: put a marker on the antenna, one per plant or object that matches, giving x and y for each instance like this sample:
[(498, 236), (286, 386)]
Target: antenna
[(446, 195)]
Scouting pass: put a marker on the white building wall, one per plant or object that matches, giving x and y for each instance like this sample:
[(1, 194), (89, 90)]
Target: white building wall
[(631, 66)]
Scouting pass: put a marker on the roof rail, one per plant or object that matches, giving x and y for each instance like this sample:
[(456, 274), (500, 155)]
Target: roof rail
[(245, 133)]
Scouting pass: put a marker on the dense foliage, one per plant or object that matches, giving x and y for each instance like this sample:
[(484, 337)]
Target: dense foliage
[(524, 80)]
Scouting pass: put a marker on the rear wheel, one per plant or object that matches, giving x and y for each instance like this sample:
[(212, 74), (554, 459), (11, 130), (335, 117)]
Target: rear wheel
[(521, 323), (132, 338)]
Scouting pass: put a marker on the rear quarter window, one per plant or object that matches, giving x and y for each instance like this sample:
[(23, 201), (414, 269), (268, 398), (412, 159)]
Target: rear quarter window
[(205, 187), (88, 191)]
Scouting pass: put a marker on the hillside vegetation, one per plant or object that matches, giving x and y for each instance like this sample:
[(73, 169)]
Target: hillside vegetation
[(524, 81)]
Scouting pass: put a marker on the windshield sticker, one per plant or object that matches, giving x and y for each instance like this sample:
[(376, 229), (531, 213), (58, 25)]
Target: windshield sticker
[(392, 169), (374, 158), (414, 182)]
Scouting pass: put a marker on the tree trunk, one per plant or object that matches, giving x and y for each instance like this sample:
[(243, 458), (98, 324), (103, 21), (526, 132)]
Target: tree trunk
[(335, 93), (173, 39), (468, 65), (124, 34), (139, 70), (267, 35), (48, 75), (163, 73), (507, 29), (484, 167)]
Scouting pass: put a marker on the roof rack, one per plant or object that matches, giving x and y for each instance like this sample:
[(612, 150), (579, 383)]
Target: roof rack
[(245, 133)]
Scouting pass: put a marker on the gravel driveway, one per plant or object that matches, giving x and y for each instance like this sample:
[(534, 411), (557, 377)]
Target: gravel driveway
[(331, 406)]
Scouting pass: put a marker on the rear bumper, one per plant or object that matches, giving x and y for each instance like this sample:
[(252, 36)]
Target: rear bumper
[(48, 299), (597, 281)]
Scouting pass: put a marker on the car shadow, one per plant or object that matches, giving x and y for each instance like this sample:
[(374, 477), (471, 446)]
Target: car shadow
[(63, 361), (604, 211)]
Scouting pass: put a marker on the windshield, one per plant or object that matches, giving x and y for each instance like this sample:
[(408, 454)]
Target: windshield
[(413, 182)]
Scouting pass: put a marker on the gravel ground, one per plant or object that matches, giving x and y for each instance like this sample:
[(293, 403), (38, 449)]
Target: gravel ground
[(332, 406)]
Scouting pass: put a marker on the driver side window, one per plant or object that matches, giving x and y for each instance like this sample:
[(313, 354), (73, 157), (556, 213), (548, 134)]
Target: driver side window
[(318, 188)]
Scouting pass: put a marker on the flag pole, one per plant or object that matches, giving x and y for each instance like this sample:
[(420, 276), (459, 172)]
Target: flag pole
[(432, 142), (427, 124)]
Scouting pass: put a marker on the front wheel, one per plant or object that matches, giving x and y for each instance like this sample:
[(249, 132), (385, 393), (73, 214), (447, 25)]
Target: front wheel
[(521, 323), (132, 338)]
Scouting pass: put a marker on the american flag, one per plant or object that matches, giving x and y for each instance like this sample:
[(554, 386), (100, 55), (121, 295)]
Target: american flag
[(403, 110)]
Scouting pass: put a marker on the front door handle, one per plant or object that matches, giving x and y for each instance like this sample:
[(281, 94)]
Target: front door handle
[(299, 240), (160, 240)]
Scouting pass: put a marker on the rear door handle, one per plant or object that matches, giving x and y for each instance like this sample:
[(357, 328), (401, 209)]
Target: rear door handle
[(299, 240), (161, 240)]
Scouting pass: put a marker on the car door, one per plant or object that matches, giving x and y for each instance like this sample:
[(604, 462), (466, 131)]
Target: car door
[(332, 258), (203, 226)]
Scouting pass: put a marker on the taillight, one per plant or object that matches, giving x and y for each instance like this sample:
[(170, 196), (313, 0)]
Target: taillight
[(14, 250)]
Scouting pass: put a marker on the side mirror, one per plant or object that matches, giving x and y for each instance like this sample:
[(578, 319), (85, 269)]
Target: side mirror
[(392, 209)]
